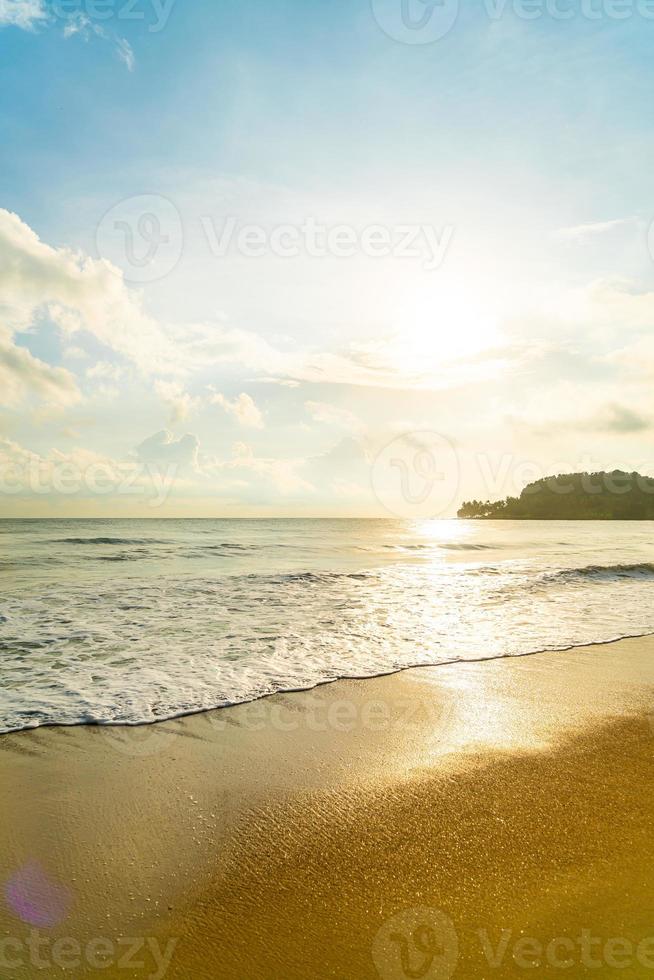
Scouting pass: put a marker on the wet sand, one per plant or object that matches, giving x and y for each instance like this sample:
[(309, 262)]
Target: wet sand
[(489, 819)]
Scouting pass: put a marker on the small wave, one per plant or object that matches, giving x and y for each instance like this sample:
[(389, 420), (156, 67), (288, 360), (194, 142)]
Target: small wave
[(108, 541), (315, 578), (107, 635), (228, 546), (462, 546), (11, 564), (405, 547), (448, 546), (607, 573), (124, 557)]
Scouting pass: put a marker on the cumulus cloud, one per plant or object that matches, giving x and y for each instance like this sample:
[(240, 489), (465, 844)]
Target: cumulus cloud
[(345, 465), (73, 472), (282, 475), (163, 449), (74, 353), (620, 419), (328, 414), (78, 293), (13, 454), (243, 409), (22, 374), (106, 371), (26, 14), (84, 294), (569, 407), (180, 402)]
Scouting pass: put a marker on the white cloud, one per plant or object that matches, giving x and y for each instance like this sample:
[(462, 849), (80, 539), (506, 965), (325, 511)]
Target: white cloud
[(83, 294), (29, 14), (74, 353), (346, 464), (242, 408), (179, 401), (78, 293), (12, 454), (79, 24), (577, 233), (280, 474), (22, 374), (75, 471), (163, 449), (622, 303), (26, 14), (622, 419), (327, 414), (125, 53), (569, 408), (280, 382), (348, 490), (106, 371)]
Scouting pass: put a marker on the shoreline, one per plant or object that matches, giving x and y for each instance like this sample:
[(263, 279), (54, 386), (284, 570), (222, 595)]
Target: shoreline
[(279, 837), (194, 712)]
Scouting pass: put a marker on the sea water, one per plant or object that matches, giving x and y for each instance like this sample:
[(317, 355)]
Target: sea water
[(129, 621)]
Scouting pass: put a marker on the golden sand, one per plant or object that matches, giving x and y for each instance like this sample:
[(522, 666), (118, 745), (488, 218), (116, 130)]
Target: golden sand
[(490, 819)]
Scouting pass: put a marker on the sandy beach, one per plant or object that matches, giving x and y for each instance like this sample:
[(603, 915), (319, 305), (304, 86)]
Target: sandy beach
[(326, 490), (488, 819)]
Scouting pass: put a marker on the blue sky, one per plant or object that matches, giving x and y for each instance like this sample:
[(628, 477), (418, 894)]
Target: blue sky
[(517, 151)]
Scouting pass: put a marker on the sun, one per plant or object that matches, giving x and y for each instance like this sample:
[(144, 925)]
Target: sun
[(442, 324)]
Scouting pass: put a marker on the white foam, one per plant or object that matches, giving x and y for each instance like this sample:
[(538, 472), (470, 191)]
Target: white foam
[(195, 617)]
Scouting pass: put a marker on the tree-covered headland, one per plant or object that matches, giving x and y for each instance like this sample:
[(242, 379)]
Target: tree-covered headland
[(603, 496)]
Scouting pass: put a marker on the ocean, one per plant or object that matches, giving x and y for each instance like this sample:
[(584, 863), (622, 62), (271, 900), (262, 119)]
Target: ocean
[(131, 621)]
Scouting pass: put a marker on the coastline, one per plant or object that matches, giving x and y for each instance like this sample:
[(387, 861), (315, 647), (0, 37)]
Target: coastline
[(280, 837)]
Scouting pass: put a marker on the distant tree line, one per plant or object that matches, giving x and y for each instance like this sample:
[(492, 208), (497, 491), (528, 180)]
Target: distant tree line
[(616, 496)]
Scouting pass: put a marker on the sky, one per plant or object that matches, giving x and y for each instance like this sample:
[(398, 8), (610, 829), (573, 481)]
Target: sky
[(292, 258)]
